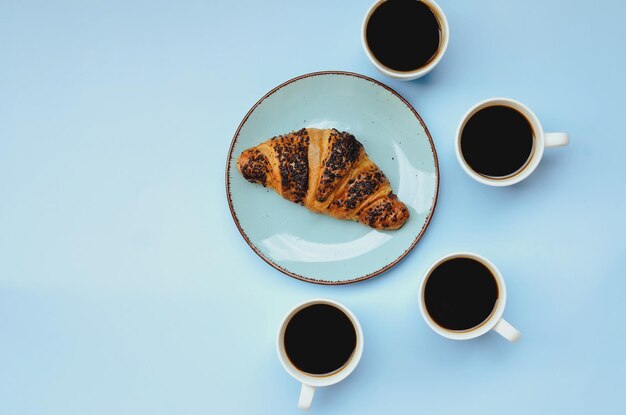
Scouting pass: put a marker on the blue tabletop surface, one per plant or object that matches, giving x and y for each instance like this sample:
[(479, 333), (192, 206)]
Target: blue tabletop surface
[(125, 287)]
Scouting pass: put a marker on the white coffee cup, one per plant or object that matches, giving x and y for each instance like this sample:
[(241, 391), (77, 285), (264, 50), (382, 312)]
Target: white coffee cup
[(310, 382), (541, 140), (419, 72), (493, 322)]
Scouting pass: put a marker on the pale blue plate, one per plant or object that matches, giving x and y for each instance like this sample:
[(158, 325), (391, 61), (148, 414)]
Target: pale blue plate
[(317, 248)]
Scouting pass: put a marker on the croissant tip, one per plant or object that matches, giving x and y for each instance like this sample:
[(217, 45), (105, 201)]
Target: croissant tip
[(254, 166), (387, 213)]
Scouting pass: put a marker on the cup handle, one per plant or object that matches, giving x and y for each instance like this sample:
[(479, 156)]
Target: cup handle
[(504, 329), (556, 139), (306, 396)]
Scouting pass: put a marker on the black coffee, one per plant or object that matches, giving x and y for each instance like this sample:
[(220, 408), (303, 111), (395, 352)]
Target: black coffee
[(320, 339), (460, 294), (497, 141), (403, 35)]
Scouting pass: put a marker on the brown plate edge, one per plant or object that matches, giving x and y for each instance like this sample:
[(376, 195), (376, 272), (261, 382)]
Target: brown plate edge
[(278, 267)]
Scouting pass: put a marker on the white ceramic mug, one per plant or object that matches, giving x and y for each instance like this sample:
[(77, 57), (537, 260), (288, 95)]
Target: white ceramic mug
[(419, 72), (493, 322), (310, 382), (541, 141)]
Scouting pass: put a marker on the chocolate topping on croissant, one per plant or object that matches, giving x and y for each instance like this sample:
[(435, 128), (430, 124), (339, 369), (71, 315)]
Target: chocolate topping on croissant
[(328, 172)]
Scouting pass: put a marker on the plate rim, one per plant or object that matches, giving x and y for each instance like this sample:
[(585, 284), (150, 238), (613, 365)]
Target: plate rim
[(293, 274)]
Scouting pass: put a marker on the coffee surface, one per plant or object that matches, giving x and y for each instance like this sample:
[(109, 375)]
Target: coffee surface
[(497, 141), (320, 339), (403, 35), (460, 294)]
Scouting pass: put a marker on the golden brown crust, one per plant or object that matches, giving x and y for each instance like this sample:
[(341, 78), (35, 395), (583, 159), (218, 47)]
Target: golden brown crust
[(316, 149), (328, 172)]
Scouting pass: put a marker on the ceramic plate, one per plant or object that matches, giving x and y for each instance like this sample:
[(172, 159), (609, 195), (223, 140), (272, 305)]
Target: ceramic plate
[(317, 248)]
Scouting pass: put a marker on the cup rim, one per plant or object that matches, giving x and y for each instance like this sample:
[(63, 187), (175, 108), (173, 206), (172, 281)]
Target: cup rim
[(535, 157), (323, 380), (485, 326), (417, 73)]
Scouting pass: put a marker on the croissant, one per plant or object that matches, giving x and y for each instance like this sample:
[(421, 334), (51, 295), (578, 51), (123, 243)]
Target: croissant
[(328, 172)]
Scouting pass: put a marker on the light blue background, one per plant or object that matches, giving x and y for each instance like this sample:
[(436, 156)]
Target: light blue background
[(125, 287)]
